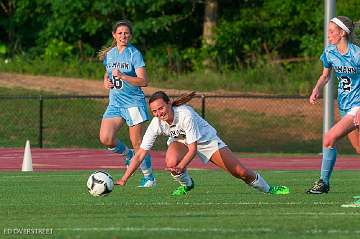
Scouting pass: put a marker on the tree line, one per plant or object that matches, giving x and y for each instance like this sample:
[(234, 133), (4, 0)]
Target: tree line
[(181, 35)]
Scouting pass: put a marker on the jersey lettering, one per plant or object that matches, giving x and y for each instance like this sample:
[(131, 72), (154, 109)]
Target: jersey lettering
[(119, 65), (175, 133), (345, 69)]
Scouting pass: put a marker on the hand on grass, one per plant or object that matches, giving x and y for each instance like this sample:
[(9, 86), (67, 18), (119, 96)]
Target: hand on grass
[(120, 182)]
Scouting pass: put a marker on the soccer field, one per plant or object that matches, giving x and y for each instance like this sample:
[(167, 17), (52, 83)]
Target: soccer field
[(219, 207)]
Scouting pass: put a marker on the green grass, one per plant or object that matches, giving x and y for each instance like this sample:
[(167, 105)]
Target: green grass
[(290, 79), (219, 207)]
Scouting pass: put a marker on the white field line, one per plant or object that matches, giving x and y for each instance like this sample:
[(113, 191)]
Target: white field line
[(213, 203), (202, 230), (346, 212), (165, 229), (108, 204)]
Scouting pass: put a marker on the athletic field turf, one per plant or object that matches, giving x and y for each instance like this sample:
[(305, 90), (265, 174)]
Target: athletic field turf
[(219, 207)]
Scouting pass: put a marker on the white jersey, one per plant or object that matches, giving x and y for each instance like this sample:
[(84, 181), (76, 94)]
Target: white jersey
[(187, 125)]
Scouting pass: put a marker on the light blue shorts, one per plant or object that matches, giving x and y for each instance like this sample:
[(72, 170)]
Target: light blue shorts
[(132, 116)]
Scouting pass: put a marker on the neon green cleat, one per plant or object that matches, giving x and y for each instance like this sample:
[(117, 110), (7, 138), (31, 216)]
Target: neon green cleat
[(279, 190), (354, 204), (182, 190)]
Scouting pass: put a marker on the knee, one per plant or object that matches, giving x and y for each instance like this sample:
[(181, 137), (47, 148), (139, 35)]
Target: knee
[(107, 141), (357, 149), (329, 141), (170, 161)]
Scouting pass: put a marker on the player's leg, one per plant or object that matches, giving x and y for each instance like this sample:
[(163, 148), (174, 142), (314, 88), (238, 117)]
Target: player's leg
[(353, 137), (107, 136), (175, 152), (135, 134), (226, 160), (339, 130)]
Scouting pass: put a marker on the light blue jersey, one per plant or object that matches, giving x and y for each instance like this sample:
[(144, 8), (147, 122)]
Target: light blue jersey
[(347, 69), (124, 94)]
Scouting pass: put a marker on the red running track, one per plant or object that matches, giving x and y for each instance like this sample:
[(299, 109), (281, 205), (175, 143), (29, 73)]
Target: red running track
[(95, 159)]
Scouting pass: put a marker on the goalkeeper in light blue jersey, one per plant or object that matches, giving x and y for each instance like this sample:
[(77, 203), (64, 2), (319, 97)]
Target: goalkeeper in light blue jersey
[(343, 56), (124, 76)]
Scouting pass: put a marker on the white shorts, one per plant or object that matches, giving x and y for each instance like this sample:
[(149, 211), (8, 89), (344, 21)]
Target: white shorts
[(205, 149), (132, 116), (351, 112)]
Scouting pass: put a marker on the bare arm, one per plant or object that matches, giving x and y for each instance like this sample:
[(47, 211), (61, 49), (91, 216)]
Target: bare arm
[(140, 79), (323, 79), (134, 164), (107, 83)]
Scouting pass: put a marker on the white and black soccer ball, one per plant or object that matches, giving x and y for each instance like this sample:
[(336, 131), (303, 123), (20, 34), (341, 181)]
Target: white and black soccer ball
[(100, 183)]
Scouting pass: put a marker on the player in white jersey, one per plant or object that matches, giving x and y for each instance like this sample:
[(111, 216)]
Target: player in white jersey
[(189, 134), (344, 57), (124, 76)]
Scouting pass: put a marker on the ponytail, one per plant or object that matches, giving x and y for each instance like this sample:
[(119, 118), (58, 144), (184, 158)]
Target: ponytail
[(183, 99), (353, 36), (102, 52)]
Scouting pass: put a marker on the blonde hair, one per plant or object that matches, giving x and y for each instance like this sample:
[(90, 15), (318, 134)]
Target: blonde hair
[(183, 99), (103, 51)]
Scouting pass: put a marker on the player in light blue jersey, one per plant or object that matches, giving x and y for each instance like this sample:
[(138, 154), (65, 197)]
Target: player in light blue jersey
[(343, 56), (124, 76)]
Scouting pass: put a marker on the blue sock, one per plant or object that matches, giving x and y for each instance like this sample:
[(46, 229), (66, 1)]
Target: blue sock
[(120, 148), (327, 164), (146, 168)]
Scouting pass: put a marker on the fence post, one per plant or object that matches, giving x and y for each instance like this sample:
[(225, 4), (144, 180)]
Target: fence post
[(40, 121), (203, 106)]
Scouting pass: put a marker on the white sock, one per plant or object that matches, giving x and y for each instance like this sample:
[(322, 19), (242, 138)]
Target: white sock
[(260, 184), (184, 179), (147, 172), (145, 166), (120, 148)]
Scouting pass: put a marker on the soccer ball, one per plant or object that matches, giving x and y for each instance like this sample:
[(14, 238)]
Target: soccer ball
[(100, 183)]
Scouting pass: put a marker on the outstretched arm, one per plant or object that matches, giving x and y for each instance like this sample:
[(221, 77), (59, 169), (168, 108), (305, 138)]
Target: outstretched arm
[(134, 164), (323, 79)]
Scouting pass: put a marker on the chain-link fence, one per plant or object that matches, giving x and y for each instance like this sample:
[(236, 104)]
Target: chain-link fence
[(246, 123)]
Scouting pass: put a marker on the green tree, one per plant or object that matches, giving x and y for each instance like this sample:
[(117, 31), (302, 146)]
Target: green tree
[(170, 32)]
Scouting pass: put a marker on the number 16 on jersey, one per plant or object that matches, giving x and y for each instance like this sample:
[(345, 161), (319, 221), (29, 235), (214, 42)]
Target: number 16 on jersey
[(117, 82)]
